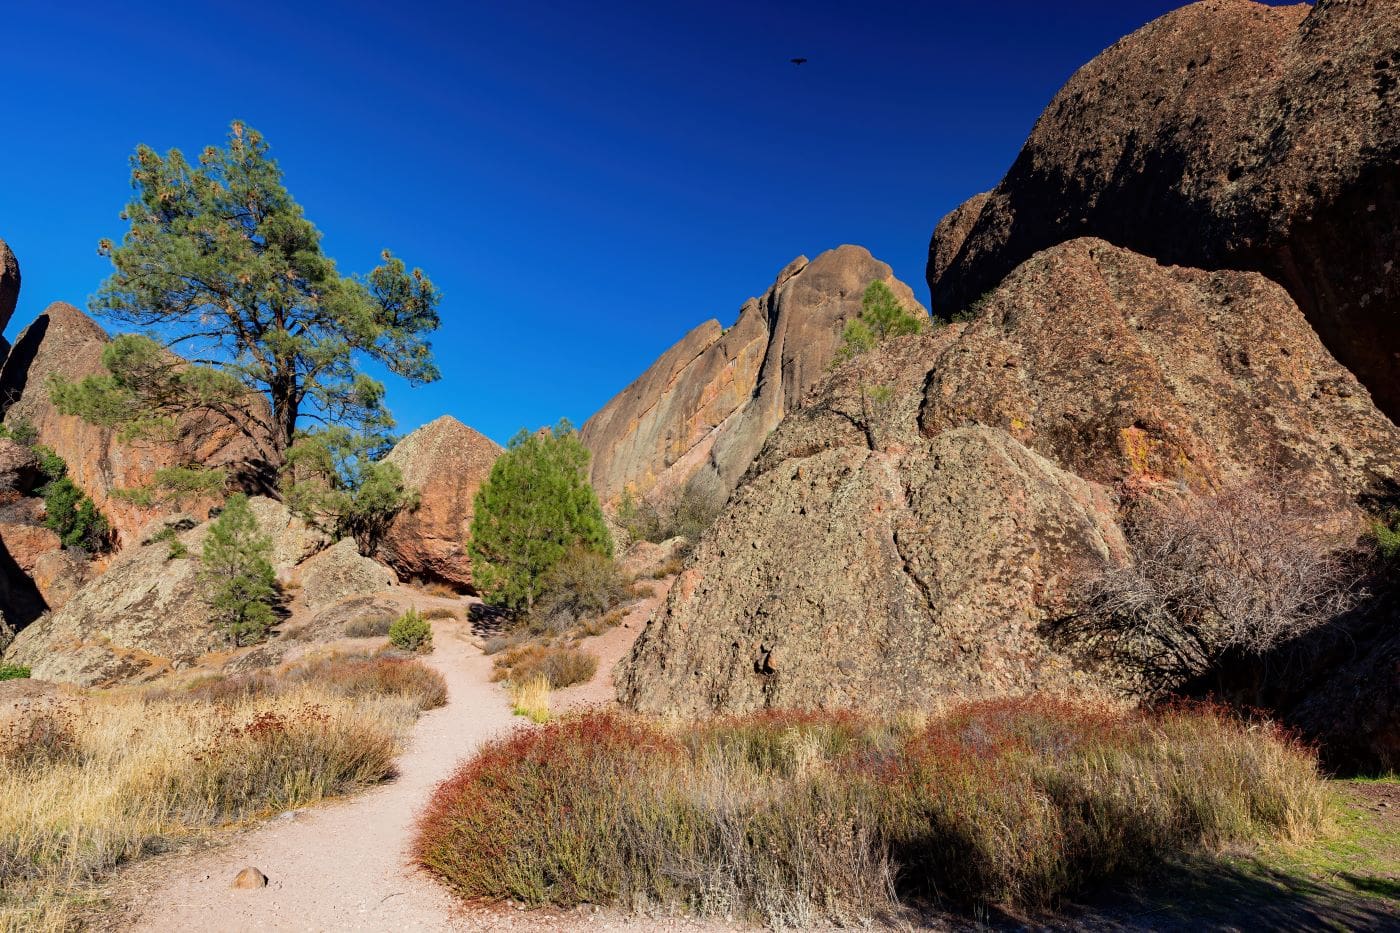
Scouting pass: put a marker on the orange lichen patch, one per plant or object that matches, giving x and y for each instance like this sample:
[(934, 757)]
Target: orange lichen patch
[(1137, 448)]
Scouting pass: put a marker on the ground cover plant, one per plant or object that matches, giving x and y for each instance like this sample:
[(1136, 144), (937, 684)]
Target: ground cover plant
[(797, 818), (90, 781)]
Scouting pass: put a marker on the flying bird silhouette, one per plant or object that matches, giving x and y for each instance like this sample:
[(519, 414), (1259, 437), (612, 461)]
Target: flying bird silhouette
[(798, 61)]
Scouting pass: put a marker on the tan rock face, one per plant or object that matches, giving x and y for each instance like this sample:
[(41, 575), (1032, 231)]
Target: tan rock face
[(875, 579), (886, 553), (68, 343), (1224, 134), (59, 575), (446, 462), (147, 613), (1118, 368), (700, 413), (340, 572), (9, 283)]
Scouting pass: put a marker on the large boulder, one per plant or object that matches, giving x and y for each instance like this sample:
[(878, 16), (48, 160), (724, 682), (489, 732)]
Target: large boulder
[(1226, 134), (858, 577), (890, 547), (9, 283), (65, 342), (147, 614), (1120, 369), (698, 416), (445, 462), (340, 572)]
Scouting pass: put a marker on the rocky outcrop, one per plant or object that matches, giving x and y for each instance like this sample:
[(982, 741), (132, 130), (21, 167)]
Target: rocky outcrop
[(9, 283), (896, 545), (1226, 134), (59, 575), (445, 462), (64, 341), (698, 416), (19, 469), (340, 572), (1117, 368), (146, 615)]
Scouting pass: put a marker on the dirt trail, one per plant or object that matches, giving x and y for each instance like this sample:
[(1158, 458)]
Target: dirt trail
[(344, 865)]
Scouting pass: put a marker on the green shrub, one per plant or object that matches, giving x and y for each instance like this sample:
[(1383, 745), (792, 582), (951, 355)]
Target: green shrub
[(815, 818), (412, 632), (1387, 540), (534, 508), (74, 517), (13, 672), (237, 567), (686, 515), (21, 432)]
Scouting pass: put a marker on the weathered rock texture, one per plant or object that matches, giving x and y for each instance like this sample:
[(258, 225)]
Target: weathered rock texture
[(1226, 134), (66, 342), (147, 614), (9, 283), (1118, 368), (700, 413), (339, 572), (889, 551), (446, 462)]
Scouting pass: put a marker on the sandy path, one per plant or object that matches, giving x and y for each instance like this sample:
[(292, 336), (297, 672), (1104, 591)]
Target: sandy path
[(345, 865)]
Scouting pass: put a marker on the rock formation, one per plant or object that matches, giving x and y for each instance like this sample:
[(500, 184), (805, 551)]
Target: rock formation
[(700, 413), (858, 577), (66, 342), (892, 547), (1226, 134), (9, 284), (147, 614), (1118, 368), (446, 462), (340, 572)]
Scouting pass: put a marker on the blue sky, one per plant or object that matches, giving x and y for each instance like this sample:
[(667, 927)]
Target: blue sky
[(584, 182)]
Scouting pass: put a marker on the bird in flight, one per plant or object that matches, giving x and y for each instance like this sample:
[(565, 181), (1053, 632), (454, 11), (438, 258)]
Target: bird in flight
[(798, 61)]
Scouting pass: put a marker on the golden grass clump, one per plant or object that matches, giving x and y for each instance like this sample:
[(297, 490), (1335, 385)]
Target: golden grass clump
[(530, 698), (805, 818), (98, 779)]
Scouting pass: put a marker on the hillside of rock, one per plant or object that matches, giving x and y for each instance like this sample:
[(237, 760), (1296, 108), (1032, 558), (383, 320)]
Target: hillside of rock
[(148, 613), (700, 413), (64, 341), (1224, 134), (446, 462), (894, 551)]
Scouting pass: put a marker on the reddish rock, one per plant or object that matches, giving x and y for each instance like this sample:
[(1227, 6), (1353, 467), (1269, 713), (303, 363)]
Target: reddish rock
[(19, 468), (66, 342), (698, 416), (1118, 368), (9, 283), (445, 462), (1224, 134)]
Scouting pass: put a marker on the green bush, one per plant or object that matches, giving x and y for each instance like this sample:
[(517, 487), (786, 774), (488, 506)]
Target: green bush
[(532, 510), (13, 672), (74, 517), (412, 632), (237, 567)]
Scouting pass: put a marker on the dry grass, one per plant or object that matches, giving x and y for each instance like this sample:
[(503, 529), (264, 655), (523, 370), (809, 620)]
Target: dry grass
[(530, 698), (368, 627), (441, 612), (560, 666), (811, 818), (105, 778)]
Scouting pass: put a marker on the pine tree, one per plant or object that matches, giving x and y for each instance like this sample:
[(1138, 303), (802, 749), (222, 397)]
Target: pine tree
[(221, 264), (535, 506), (237, 568)]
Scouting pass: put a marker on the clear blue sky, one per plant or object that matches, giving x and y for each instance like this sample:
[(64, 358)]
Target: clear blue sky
[(584, 182)]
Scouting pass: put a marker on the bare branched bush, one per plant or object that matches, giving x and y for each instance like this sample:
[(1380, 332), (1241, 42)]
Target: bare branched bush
[(1238, 572)]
